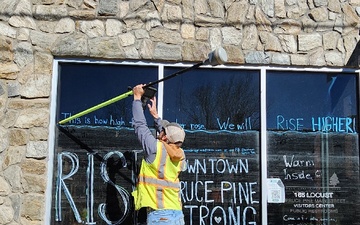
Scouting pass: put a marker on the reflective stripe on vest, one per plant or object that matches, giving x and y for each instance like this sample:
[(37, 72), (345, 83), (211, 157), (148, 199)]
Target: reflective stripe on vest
[(156, 182), (162, 161)]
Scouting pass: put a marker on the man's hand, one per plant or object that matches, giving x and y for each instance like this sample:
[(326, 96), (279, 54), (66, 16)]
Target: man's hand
[(152, 108), (138, 91)]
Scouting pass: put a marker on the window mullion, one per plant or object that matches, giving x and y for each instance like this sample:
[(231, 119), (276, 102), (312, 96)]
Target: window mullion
[(263, 148)]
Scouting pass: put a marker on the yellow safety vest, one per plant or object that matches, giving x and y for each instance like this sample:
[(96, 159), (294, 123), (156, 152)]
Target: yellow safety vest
[(158, 185)]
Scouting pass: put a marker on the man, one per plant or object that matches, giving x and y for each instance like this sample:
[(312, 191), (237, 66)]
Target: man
[(158, 187)]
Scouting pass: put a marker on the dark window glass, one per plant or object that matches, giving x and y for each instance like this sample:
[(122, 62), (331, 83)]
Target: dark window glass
[(313, 147), (96, 155), (219, 109), (86, 85), (302, 101), (213, 99)]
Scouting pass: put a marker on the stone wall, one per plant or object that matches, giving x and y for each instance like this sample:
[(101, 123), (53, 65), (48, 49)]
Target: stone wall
[(32, 32)]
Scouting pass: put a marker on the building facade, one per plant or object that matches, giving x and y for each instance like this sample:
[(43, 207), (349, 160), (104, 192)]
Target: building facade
[(40, 38)]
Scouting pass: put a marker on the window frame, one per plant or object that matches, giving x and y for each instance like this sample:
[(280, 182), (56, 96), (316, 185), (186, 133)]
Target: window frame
[(263, 113)]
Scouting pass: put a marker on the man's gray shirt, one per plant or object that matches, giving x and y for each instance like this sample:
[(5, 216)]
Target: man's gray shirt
[(146, 138)]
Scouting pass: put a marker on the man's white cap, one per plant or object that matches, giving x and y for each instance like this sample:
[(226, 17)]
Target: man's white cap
[(174, 132)]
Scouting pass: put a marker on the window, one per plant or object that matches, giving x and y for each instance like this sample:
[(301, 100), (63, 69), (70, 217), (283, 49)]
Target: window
[(220, 111), (311, 143), (313, 146)]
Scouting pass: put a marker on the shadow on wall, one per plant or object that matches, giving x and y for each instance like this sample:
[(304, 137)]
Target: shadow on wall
[(354, 60)]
